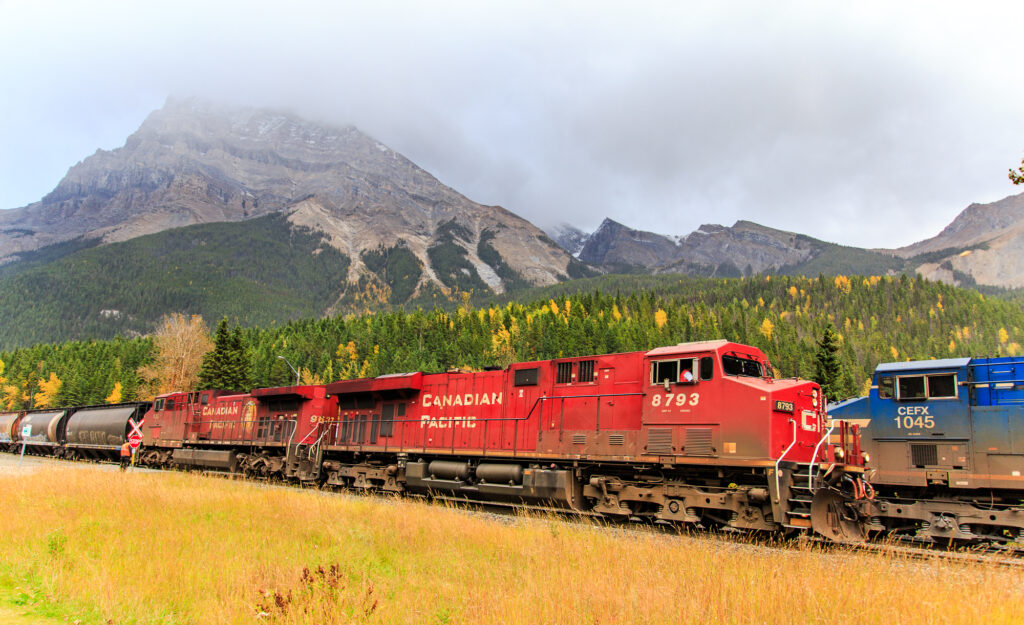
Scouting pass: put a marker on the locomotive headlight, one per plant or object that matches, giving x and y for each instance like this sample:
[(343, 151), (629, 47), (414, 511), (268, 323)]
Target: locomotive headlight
[(866, 457), (814, 398), (840, 454)]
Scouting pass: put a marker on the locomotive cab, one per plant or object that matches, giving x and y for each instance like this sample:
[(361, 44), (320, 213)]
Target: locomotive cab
[(945, 435), (718, 401)]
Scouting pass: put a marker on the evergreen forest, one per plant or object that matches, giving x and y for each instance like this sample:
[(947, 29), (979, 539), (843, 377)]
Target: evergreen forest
[(876, 319)]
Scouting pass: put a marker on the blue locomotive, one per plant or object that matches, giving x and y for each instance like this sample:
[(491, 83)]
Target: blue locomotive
[(946, 441)]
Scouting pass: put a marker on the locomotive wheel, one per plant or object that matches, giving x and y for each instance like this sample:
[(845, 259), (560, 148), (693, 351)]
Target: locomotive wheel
[(831, 518)]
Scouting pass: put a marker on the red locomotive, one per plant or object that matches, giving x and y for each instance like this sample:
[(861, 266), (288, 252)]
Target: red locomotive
[(693, 433)]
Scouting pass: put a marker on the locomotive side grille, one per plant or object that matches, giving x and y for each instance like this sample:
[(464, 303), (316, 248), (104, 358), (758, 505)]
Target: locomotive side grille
[(579, 439), (616, 439), (698, 442), (924, 455), (586, 371), (659, 441), (563, 374)]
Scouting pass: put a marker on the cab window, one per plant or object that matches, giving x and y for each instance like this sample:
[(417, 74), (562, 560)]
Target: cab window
[(159, 405), (918, 387), (942, 385), (885, 387), (737, 365), (707, 368), (910, 387), (677, 371)]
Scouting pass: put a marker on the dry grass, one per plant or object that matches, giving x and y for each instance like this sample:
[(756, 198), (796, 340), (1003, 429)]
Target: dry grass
[(179, 548)]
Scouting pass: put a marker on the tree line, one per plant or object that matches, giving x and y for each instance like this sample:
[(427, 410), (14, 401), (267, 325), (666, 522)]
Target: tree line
[(872, 319)]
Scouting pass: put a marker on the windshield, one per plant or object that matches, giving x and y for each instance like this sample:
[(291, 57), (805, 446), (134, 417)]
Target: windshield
[(740, 365)]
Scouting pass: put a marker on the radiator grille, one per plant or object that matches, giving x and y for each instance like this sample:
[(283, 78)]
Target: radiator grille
[(659, 441), (616, 439), (563, 373), (698, 442), (924, 455), (579, 439), (586, 371)]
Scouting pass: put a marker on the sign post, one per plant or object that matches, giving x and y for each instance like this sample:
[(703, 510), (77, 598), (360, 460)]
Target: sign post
[(135, 438), (26, 431)]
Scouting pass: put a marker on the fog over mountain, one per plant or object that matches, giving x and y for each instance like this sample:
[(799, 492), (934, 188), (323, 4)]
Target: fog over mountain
[(855, 123)]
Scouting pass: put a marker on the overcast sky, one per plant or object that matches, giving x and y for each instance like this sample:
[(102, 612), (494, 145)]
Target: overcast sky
[(864, 123)]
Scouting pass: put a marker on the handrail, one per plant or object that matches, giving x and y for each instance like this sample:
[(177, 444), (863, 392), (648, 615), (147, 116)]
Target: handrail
[(779, 461), (814, 456)]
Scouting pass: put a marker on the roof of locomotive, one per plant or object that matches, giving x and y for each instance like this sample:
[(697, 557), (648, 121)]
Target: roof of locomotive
[(919, 365), (698, 346)]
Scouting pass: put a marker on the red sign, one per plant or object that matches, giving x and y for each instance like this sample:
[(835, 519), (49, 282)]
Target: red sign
[(134, 441)]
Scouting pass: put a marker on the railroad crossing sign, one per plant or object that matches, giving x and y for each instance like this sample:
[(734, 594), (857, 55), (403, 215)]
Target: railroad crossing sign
[(136, 428), (135, 436)]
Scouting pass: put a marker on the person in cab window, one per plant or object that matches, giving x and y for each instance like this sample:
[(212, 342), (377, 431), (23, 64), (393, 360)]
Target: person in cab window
[(686, 376)]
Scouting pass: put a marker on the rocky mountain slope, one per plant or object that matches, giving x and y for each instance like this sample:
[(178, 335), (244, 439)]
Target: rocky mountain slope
[(984, 245), (193, 162), (714, 250)]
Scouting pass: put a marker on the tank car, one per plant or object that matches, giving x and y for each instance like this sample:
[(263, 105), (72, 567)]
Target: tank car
[(946, 443), (695, 433), (45, 431), (8, 421), (98, 432)]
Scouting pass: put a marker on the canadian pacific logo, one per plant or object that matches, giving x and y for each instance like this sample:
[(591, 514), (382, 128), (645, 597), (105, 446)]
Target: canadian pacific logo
[(427, 421), (221, 410), (468, 399), (455, 399)]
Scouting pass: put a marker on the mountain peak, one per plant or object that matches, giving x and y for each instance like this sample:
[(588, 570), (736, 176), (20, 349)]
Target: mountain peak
[(195, 161)]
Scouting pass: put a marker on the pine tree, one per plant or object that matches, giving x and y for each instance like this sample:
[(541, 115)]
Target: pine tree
[(238, 366), (214, 372), (828, 372), (228, 366)]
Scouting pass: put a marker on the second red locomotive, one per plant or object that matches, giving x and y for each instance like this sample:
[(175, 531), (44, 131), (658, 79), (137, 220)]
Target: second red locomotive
[(693, 433)]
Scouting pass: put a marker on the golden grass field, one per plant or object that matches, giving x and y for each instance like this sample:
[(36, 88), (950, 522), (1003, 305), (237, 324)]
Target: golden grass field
[(89, 546)]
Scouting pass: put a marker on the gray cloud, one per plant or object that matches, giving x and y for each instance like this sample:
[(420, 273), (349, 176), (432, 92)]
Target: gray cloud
[(868, 125)]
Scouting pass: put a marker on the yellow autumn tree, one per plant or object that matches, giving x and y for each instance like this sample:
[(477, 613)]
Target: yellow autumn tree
[(1004, 336), (767, 328), (11, 396), (310, 378), (46, 396), (115, 395), (660, 318), (843, 284), (179, 345)]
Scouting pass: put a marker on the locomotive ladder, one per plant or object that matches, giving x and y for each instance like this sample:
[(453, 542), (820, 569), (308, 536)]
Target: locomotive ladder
[(802, 488), (801, 496), (308, 453)]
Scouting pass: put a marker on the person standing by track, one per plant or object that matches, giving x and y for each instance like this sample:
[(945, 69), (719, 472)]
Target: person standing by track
[(126, 455)]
